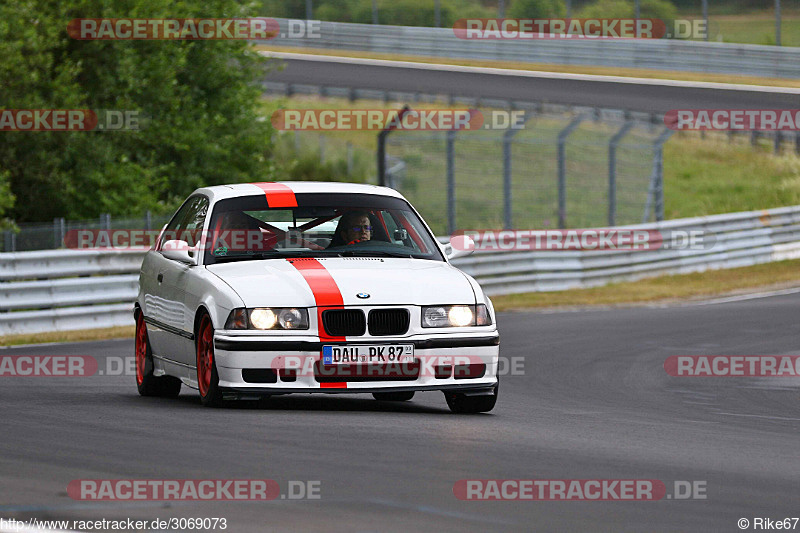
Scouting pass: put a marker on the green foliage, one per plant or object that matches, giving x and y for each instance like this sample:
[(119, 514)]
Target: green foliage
[(537, 9), (658, 9), (6, 200), (654, 9), (301, 160), (607, 9), (393, 12), (201, 99)]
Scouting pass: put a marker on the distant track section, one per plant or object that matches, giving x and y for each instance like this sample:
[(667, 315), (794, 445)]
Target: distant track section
[(635, 94)]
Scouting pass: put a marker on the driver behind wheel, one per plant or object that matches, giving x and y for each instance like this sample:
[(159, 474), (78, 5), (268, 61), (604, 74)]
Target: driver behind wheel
[(354, 227)]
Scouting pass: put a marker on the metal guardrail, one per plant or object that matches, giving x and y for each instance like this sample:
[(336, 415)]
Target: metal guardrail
[(69, 289), (60, 290), (659, 54), (739, 239)]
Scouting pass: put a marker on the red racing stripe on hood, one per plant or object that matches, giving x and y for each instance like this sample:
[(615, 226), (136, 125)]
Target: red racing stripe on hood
[(326, 293), (278, 194)]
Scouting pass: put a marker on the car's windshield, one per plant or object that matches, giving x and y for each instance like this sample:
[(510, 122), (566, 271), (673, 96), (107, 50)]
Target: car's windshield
[(322, 225)]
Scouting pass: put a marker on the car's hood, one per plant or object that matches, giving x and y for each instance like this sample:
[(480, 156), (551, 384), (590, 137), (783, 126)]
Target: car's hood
[(388, 281)]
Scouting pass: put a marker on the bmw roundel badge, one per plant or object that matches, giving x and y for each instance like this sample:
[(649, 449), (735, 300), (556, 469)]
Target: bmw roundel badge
[(363, 295)]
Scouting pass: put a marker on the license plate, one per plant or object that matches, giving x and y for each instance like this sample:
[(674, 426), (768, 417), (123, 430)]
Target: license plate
[(365, 353)]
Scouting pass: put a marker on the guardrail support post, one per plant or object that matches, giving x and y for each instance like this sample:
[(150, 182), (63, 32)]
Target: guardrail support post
[(10, 244), (655, 192), (612, 170), (451, 182), (705, 16), (59, 232), (507, 144), (562, 169), (381, 151), (778, 139)]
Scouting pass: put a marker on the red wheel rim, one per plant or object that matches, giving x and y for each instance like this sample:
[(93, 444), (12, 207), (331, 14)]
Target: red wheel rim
[(205, 356), (141, 348)]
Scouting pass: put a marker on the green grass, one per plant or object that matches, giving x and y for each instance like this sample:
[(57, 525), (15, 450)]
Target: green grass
[(756, 29), (83, 335), (702, 175), (752, 27), (698, 285)]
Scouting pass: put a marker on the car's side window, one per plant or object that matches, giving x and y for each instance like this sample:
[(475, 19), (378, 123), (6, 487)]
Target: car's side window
[(187, 223)]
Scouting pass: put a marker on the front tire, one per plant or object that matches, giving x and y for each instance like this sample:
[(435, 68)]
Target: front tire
[(207, 377), (146, 382), (463, 404), (393, 396)]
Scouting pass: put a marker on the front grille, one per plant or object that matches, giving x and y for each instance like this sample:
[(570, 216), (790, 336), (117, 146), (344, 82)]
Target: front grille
[(388, 321), (344, 322)]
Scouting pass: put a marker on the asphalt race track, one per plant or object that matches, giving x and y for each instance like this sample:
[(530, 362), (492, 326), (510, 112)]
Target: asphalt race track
[(557, 90), (594, 402)]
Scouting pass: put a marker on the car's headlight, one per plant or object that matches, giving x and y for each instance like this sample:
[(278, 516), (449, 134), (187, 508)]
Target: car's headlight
[(268, 318), (447, 316)]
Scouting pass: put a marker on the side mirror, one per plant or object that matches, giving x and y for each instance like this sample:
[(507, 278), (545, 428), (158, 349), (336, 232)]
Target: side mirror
[(459, 246), (180, 251)]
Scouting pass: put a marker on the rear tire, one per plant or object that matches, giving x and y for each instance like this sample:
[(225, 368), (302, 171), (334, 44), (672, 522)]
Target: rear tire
[(463, 404), (146, 382), (403, 396), (207, 377)]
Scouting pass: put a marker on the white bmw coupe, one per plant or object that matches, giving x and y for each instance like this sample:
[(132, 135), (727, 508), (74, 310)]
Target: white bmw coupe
[(261, 289)]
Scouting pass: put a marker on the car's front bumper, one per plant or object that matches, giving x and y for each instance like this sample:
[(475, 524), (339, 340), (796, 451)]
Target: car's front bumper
[(285, 365)]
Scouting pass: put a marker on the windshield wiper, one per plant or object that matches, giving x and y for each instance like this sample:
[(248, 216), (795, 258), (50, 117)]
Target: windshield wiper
[(374, 253), (256, 255), (275, 254)]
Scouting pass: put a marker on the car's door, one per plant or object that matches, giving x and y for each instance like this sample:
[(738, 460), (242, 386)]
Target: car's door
[(170, 338)]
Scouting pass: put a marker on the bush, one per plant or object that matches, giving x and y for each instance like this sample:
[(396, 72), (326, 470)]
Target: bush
[(652, 9), (390, 12), (540, 9), (607, 9), (201, 97)]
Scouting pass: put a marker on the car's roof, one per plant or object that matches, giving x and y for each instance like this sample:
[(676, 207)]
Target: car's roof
[(219, 192)]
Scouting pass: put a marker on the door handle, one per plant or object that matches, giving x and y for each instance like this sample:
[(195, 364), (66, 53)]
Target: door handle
[(160, 277)]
